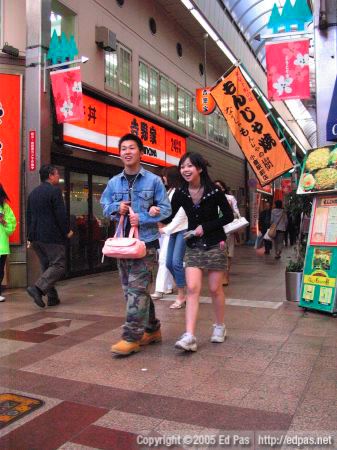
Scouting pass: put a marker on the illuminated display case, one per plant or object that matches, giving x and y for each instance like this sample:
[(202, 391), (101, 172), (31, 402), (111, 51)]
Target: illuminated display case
[(320, 267)]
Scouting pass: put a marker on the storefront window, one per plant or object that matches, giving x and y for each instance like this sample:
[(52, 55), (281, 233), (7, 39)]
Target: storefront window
[(79, 221), (184, 108), (1, 23), (62, 19), (118, 71), (101, 226)]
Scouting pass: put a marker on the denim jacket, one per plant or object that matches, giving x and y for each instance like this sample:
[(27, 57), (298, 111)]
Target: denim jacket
[(147, 190)]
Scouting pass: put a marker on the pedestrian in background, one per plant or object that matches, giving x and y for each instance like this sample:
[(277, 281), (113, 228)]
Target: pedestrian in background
[(164, 279), (230, 242), (205, 241), (176, 247), (264, 224), (144, 192), (7, 227), (279, 217), (47, 231)]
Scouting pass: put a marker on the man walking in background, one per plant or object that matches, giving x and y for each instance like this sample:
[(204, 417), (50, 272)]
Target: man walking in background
[(47, 230)]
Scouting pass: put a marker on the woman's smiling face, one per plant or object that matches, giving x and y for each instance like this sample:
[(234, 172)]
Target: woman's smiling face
[(189, 172)]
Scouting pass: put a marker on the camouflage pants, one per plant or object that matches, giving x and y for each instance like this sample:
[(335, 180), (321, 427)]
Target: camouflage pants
[(136, 278)]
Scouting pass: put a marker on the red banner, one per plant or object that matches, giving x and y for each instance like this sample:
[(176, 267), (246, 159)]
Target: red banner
[(67, 92), (10, 132), (288, 70), (251, 128)]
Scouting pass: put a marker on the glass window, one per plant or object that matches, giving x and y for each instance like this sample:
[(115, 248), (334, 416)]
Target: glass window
[(62, 19), (199, 121), (118, 71), (154, 84), (164, 96), (184, 108), (218, 128), (144, 84)]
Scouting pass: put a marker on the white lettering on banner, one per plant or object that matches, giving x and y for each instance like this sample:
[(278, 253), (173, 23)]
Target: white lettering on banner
[(334, 129), (172, 160), (1, 148)]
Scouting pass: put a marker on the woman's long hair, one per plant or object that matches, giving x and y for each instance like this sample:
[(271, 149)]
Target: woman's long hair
[(173, 177), (3, 196), (200, 163)]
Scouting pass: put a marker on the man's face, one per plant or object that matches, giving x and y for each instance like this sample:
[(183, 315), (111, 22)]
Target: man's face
[(54, 177), (130, 153)]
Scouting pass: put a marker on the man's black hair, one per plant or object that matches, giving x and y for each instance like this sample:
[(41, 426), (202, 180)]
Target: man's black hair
[(131, 137), (278, 204), (46, 170)]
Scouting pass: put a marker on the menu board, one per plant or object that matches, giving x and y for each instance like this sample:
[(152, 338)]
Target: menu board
[(319, 172), (324, 227)]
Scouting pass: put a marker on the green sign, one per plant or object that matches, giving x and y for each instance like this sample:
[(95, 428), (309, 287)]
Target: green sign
[(291, 18), (62, 49)]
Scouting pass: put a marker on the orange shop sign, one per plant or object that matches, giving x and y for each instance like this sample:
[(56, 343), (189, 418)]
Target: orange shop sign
[(103, 125), (10, 133), (251, 128)]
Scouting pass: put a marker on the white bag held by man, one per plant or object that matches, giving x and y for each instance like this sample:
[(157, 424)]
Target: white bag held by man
[(236, 225), (124, 247)]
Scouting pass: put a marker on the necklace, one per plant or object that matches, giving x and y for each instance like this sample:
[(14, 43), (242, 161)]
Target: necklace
[(196, 194)]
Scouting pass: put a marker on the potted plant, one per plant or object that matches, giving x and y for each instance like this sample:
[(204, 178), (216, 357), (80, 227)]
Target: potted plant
[(297, 205)]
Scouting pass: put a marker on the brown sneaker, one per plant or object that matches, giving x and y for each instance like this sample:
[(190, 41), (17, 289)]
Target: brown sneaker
[(149, 338), (125, 348)]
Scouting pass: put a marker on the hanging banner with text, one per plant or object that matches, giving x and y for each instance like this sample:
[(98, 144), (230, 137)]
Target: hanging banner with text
[(10, 138), (251, 128), (67, 92), (288, 70)]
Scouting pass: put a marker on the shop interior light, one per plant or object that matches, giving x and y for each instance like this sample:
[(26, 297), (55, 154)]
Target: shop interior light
[(285, 126), (188, 4), (204, 24)]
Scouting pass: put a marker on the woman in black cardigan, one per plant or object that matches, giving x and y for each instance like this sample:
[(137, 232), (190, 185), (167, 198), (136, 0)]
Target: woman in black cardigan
[(205, 241)]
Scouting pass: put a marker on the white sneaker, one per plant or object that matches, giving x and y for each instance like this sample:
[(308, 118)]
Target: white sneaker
[(157, 295), (2, 298), (187, 342), (219, 333)]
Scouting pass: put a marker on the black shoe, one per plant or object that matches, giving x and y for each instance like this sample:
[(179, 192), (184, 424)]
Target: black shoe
[(53, 301), (34, 292), (267, 252)]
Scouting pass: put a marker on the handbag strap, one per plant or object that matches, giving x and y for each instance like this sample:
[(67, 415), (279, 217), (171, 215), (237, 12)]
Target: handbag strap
[(120, 227), (280, 218)]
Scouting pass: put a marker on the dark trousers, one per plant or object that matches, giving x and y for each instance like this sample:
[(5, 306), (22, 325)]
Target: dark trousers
[(53, 263), (2, 268)]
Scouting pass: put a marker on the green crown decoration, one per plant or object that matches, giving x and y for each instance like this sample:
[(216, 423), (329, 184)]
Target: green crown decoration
[(292, 18), (62, 49)]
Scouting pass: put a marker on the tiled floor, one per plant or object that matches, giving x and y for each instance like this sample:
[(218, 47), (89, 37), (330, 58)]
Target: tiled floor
[(276, 372)]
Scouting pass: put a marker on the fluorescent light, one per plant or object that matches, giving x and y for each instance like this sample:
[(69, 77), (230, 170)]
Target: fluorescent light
[(247, 76), (226, 51), (188, 4), (285, 126), (204, 24), (80, 148)]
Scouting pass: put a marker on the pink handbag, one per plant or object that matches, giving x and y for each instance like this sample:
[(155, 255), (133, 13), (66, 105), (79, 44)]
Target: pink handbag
[(124, 247)]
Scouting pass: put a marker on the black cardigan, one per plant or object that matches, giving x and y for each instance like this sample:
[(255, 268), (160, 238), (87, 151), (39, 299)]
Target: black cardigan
[(206, 213)]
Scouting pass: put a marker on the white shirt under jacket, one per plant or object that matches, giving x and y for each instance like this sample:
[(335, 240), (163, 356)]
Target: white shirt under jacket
[(179, 221)]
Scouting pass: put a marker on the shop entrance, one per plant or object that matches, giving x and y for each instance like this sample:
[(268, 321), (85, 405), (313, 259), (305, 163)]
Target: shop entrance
[(82, 191)]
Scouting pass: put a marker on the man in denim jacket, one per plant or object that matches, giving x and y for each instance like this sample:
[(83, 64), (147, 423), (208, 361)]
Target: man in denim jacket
[(142, 190)]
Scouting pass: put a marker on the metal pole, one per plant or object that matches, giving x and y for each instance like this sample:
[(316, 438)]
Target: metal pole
[(205, 59), (37, 104)]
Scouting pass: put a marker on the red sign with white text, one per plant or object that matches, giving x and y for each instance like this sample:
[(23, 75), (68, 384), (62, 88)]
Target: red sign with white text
[(288, 70), (10, 131), (32, 150), (103, 125)]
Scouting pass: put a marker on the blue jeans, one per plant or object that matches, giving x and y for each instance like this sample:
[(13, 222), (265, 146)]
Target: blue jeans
[(175, 258)]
